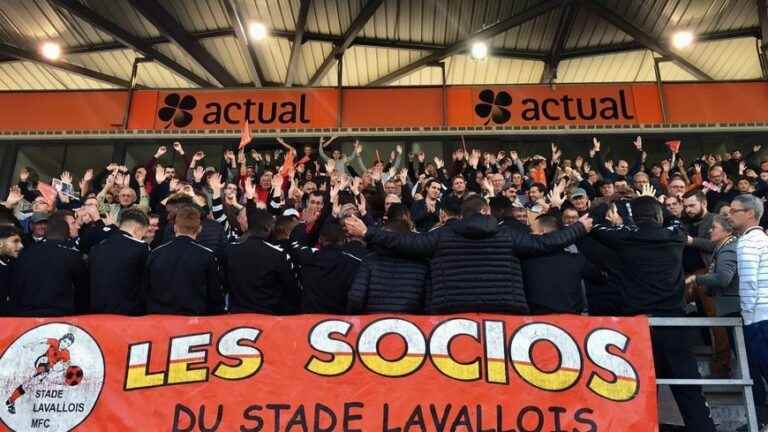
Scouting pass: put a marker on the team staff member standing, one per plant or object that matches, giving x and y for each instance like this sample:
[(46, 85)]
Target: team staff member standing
[(51, 279), (10, 246), (117, 267), (183, 275), (652, 271)]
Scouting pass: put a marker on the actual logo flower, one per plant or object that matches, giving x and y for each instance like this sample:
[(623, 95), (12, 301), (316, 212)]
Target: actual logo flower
[(177, 110), (493, 106)]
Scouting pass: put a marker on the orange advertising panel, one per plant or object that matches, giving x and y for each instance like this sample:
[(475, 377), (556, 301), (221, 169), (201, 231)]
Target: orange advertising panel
[(66, 110), (393, 107), (230, 109), (536, 105), (324, 373), (717, 102)]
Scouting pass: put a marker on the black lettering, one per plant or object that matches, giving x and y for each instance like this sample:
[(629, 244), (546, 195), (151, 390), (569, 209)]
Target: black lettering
[(212, 117), (624, 111), (349, 417), (250, 414), (303, 109), (545, 110), (480, 420), (247, 107), (521, 419), (567, 107), (228, 109), (580, 107), (318, 408), (416, 419), (215, 427), (557, 411), (177, 418), (500, 419), (385, 424), (610, 111), (440, 423), (288, 116), (462, 419), (276, 408), (272, 114), (531, 113), (298, 418), (586, 421)]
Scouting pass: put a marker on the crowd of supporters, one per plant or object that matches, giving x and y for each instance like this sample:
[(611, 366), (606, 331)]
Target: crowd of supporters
[(314, 230)]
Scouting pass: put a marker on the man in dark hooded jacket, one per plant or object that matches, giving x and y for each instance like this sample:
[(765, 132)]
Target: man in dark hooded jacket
[(475, 263)]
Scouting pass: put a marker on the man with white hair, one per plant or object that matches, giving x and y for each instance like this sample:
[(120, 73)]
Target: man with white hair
[(752, 258)]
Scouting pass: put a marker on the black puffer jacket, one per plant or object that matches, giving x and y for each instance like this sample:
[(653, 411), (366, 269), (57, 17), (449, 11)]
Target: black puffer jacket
[(386, 283), (475, 263)]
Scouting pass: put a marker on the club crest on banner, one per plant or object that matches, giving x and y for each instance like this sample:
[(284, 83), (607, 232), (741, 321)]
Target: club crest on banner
[(50, 378)]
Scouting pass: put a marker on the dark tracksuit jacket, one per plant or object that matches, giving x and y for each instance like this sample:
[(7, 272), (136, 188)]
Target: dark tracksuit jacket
[(49, 279), (326, 276), (117, 274), (183, 278), (259, 278)]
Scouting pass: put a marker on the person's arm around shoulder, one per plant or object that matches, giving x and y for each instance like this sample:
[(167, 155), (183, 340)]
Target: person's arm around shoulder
[(412, 244), (531, 245)]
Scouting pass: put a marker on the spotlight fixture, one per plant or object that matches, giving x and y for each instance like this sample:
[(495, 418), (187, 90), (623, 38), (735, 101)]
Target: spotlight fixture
[(682, 39), (50, 50), (479, 50), (258, 31)]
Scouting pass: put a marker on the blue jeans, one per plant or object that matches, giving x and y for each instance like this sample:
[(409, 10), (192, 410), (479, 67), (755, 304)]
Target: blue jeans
[(756, 339)]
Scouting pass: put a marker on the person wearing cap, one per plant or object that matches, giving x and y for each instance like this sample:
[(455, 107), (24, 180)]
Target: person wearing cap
[(580, 200), (271, 286), (38, 225), (51, 279), (10, 247)]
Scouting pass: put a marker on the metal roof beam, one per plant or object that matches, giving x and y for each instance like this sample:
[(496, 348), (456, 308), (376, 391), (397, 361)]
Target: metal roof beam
[(462, 45), (24, 55), (125, 38), (564, 26), (644, 38), (346, 40), (762, 13), (155, 13), (298, 40), (249, 53), (635, 46)]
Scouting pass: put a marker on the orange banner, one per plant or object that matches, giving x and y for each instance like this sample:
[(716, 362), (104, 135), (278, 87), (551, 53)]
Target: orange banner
[(390, 107), (488, 373)]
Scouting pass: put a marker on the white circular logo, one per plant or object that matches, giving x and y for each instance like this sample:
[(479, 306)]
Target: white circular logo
[(50, 378)]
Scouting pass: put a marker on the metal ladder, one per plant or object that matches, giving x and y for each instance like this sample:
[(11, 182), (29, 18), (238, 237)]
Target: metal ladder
[(744, 381)]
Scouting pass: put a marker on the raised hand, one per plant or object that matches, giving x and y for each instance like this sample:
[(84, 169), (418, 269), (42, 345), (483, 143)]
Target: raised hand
[(14, 196), (330, 166), (277, 183), (756, 148), (198, 156), (513, 155), (648, 190), (241, 157), (140, 176), (474, 159), (179, 149), (250, 189), (595, 144), (404, 175), (638, 142), (256, 156), (399, 149), (229, 156), (66, 177), (198, 173), (160, 175), (160, 152), (355, 227), (439, 164), (215, 183), (587, 221)]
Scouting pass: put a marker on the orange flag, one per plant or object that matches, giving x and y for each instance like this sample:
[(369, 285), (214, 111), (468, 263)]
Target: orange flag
[(245, 135), (674, 145)]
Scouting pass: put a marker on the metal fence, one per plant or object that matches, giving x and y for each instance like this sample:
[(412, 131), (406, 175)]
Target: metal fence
[(744, 380)]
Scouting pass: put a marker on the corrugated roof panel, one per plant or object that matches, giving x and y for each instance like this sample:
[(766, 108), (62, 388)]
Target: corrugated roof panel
[(227, 52), (619, 67), (174, 52), (332, 16), (125, 15), (591, 30), (273, 55), (312, 56), (730, 59), (114, 63), (26, 76), (463, 69), (198, 15), (365, 64), (37, 20), (276, 14)]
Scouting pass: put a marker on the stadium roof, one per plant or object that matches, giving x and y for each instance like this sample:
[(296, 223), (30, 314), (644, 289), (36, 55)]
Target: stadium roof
[(194, 43)]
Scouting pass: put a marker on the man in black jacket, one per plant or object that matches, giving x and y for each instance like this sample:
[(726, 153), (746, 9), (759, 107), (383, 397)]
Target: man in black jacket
[(117, 267), (327, 273), (388, 283), (553, 282), (51, 278), (491, 281), (10, 247), (183, 275), (258, 274), (652, 266)]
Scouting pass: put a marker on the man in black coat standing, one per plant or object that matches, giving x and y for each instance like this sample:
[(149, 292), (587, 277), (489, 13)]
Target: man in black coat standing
[(10, 247), (258, 274), (652, 263), (51, 279), (117, 267), (183, 275), (491, 281)]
